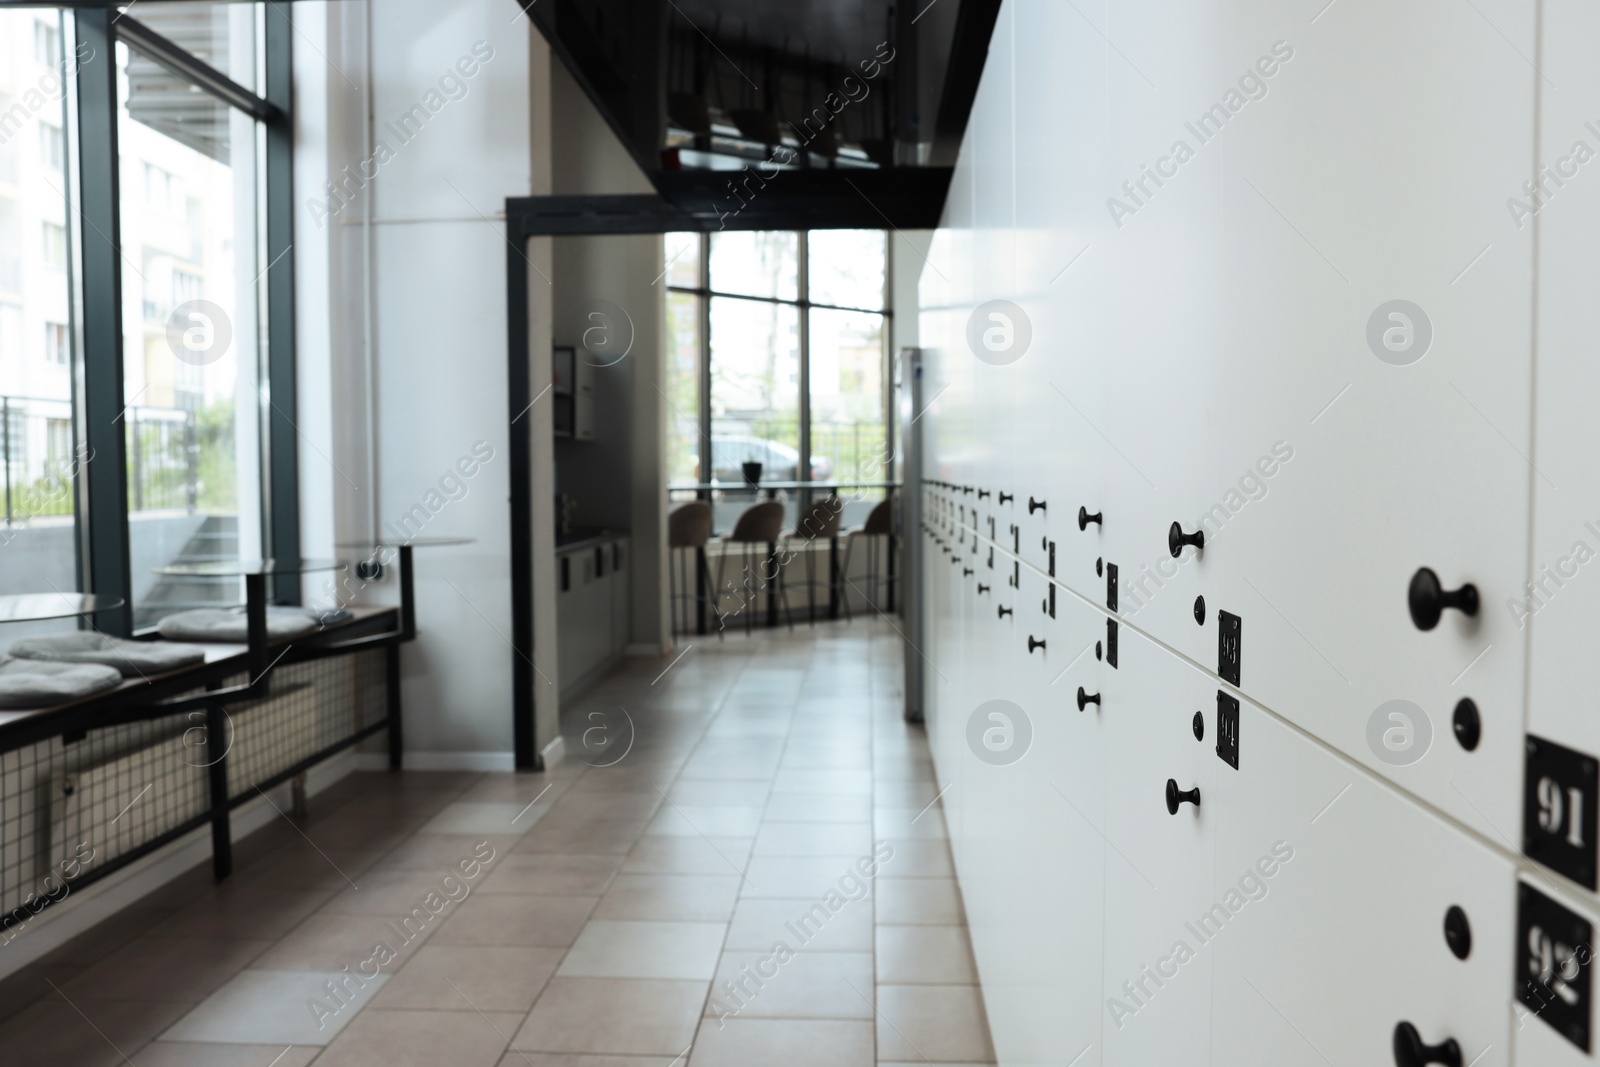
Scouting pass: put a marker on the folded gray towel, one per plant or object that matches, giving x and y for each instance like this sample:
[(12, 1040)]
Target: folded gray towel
[(135, 659)]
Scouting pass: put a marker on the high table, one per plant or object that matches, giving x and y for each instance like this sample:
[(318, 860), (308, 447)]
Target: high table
[(704, 490)]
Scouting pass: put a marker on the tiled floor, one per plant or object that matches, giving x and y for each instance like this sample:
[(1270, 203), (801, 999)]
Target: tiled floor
[(755, 872)]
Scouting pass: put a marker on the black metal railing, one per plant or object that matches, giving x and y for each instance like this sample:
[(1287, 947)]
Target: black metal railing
[(170, 451)]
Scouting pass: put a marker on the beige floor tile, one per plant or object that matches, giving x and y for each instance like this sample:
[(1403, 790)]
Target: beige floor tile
[(682, 897), (809, 877), (329, 941), (919, 901), (240, 910), (198, 1054), (913, 792), (553, 873), (570, 1059), (612, 805), (715, 794), (596, 835), (537, 921), (447, 853), (485, 818), (810, 985), (818, 807), (783, 1043), (299, 866), (925, 955), (805, 754), (849, 783), (389, 1038), (614, 949), (759, 923), (909, 824), (918, 859), (278, 1008), (689, 855), (813, 839), (931, 1022), (84, 1032), (166, 969), (456, 977), (613, 1016), (391, 893), (677, 820)]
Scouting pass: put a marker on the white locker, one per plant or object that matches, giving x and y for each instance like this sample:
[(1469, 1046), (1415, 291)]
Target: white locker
[(1325, 956), (1032, 857), (1235, 311), (1560, 607), (1159, 864)]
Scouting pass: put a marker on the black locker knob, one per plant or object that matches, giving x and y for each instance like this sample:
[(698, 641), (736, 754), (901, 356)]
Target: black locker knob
[(1035, 505), (1409, 1051), (983, 493), (1428, 599), (982, 588), (1085, 699), (1004, 611), (1176, 796), (1084, 518), (966, 489), (1176, 539), (1006, 498), (1467, 724), (1032, 644), (966, 572)]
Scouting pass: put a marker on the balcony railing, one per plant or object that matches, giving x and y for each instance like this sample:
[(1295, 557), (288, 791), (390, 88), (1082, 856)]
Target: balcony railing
[(39, 461)]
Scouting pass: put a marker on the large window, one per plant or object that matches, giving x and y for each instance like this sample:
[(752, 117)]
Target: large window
[(144, 219), (780, 339), (192, 307), (38, 552)]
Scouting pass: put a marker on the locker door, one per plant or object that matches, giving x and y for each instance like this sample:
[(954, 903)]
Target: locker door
[(1326, 467), (1155, 981), (1032, 866), (1561, 607), (1342, 893)]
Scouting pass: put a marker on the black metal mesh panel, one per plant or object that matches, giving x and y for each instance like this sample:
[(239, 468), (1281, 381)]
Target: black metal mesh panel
[(67, 808), (314, 705), (73, 808)]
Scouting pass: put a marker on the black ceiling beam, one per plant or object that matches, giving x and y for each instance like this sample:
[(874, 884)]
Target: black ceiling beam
[(974, 27), (906, 198)]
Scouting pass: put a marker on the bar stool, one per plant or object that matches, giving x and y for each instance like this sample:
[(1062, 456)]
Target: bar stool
[(820, 522), (689, 528), (759, 524), (880, 523)]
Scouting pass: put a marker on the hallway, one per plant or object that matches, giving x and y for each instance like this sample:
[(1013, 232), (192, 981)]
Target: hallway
[(625, 909)]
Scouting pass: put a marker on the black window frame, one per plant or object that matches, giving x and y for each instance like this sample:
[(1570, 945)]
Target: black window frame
[(104, 565)]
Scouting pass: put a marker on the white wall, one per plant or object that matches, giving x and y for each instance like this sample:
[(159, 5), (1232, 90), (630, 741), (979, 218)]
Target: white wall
[(422, 216)]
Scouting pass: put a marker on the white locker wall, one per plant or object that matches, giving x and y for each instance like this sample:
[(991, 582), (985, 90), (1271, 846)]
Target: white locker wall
[(1336, 332)]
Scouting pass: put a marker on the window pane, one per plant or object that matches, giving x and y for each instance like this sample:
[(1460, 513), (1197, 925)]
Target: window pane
[(683, 260), (847, 268), (759, 264), (223, 35), (848, 436), (683, 387), (38, 455), (191, 334), (755, 389)]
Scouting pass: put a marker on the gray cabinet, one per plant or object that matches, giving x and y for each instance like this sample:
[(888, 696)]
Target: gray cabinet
[(592, 607)]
